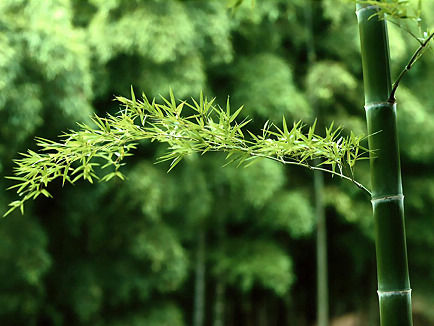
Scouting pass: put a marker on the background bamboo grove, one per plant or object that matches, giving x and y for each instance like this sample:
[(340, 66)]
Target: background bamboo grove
[(203, 245)]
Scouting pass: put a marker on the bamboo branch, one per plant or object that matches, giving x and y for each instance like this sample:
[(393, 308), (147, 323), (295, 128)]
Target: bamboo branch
[(227, 148), (416, 55), (406, 30), (209, 128)]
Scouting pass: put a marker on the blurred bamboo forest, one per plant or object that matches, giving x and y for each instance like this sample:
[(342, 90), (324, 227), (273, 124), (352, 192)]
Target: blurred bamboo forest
[(224, 245)]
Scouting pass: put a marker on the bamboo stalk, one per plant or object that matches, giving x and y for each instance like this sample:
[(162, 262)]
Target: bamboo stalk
[(322, 300), (387, 197), (219, 305), (199, 287), (321, 252), (220, 291)]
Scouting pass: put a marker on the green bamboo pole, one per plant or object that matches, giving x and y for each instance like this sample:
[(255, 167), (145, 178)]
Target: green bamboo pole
[(220, 291), (322, 299), (322, 315), (321, 252), (199, 287), (387, 197)]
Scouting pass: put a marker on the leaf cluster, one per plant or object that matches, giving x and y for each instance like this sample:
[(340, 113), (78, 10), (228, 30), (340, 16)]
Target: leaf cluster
[(206, 127), (400, 9), (399, 12)]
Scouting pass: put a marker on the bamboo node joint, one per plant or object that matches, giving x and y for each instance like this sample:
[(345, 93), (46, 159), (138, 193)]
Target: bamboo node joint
[(394, 293), (379, 105), (387, 198)]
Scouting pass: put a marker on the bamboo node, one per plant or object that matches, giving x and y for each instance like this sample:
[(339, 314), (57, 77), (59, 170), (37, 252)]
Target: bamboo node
[(394, 293), (387, 198), (379, 105)]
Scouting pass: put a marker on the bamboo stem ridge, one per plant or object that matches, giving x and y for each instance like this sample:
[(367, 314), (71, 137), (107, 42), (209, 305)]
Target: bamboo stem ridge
[(387, 196)]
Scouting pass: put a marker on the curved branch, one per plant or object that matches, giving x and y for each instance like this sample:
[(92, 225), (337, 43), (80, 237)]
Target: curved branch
[(209, 128), (416, 55), (277, 159)]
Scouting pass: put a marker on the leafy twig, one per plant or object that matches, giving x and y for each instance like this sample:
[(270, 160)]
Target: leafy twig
[(208, 128)]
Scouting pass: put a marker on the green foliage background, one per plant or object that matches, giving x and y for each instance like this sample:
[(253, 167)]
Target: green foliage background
[(124, 253)]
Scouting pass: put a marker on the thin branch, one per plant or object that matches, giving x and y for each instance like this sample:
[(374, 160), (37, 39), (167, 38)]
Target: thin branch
[(225, 147), (406, 30), (317, 168), (409, 65)]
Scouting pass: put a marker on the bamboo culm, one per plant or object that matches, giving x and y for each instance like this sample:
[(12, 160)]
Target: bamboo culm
[(387, 196), (322, 316), (199, 287)]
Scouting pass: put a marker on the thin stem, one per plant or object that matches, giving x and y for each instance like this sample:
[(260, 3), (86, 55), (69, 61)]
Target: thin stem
[(406, 29), (317, 168), (409, 65), (277, 159)]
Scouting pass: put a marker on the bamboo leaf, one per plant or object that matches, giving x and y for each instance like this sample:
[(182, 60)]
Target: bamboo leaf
[(237, 112), (285, 126), (174, 163), (133, 96)]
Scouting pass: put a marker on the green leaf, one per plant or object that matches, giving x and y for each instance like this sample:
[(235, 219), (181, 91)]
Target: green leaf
[(133, 96), (46, 193), (237, 112), (174, 163)]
